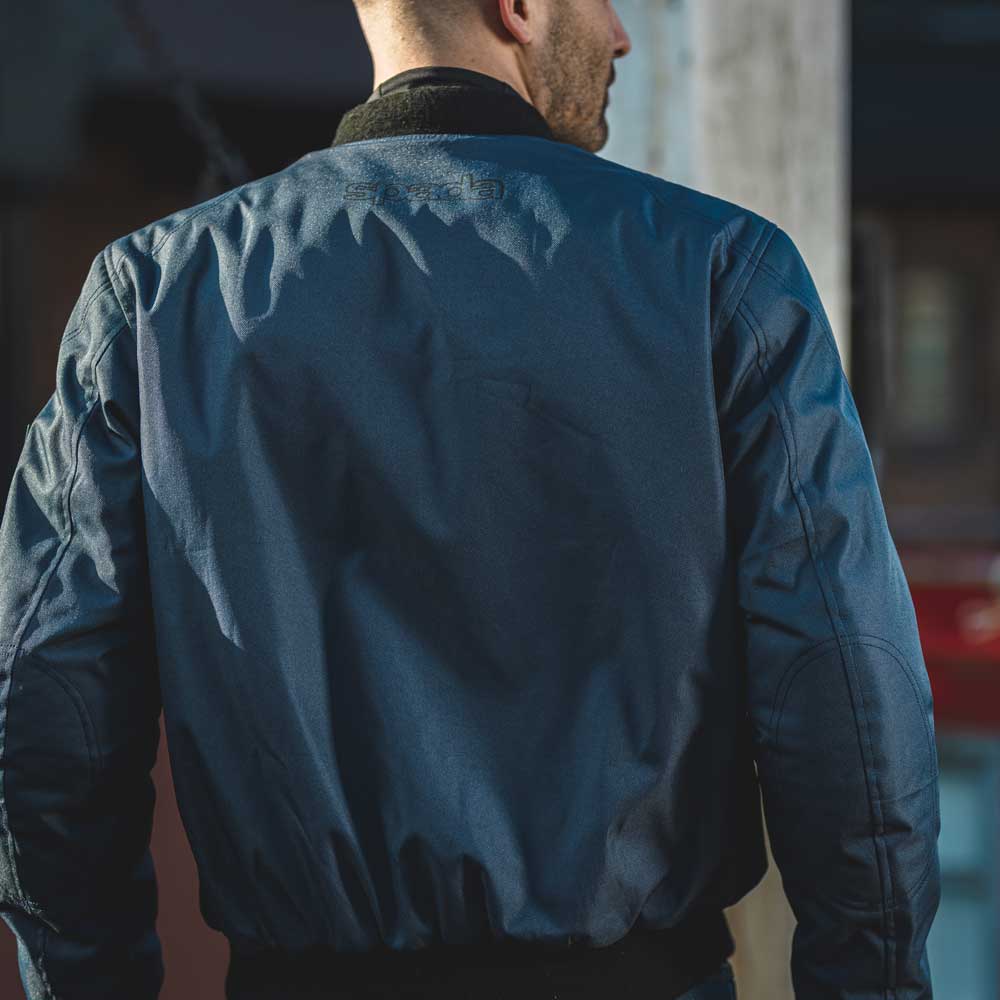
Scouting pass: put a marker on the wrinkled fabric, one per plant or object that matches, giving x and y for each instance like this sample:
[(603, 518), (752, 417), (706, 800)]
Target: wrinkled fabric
[(493, 524)]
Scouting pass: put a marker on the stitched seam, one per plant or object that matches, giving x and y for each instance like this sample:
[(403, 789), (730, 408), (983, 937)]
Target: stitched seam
[(720, 328), (858, 905), (45, 579), (880, 638), (68, 482), (214, 203), (218, 199), (8, 840), (847, 660), (73, 693), (86, 726), (854, 688), (913, 791), (907, 673), (929, 867), (904, 667), (180, 225), (855, 639), (863, 907), (786, 682), (112, 274), (782, 280), (741, 380), (170, 232), (807, 298), (746, 276), (41, 587), (810, 303), (105, 286), (749, 269)]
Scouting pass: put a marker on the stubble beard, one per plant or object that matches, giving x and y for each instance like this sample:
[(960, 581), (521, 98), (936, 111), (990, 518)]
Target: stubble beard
[(576, 83)]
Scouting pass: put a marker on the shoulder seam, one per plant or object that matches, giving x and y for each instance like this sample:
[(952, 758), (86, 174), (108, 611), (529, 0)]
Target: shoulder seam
[(718, 227), (194, 211), (102, 289), (743, 280), (67, 527), (113, 272), (752, 254), (808, 300)]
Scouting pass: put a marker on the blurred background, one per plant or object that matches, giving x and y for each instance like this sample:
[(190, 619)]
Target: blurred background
[(868, 130)]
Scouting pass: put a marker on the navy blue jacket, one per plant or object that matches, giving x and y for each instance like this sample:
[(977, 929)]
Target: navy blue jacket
[(493, 524)]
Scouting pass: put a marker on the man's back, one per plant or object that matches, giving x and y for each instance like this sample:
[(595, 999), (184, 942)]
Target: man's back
[(501, 504), (436, 505)]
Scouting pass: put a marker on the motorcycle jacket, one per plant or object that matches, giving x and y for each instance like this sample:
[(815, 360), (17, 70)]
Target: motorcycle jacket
[(494, 527)]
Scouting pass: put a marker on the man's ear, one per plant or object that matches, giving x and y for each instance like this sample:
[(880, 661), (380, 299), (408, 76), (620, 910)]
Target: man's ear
[(522, 18)]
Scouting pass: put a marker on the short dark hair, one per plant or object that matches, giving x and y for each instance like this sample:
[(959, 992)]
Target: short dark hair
[(418, 14)]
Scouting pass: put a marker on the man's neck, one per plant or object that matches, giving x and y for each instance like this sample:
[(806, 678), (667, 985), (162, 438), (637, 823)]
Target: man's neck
[(418, 76), (386, 71), (441, 99)]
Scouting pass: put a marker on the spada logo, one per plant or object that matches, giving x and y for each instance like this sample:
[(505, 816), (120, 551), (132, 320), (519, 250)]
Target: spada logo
[(467, 186)]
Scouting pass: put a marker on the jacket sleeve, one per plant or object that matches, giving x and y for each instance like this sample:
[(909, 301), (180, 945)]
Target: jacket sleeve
[(839, 699), (79, 687)]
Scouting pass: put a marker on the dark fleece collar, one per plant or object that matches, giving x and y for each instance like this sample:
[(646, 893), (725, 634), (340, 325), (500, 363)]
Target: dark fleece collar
[(441, 99)]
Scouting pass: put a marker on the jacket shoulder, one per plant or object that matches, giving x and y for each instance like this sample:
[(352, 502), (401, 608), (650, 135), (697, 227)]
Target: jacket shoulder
[(741, 225), (147, 240), (136, 262), (734, 238)]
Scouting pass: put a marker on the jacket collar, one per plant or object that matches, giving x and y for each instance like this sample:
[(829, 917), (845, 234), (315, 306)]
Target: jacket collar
[(441, 99)]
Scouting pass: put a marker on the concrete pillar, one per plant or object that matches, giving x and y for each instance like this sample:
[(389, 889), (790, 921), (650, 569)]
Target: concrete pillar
[(748, 100)]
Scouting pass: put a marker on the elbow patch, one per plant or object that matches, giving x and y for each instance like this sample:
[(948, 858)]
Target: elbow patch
[(48, 771), (71, 760), (854, 757)]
